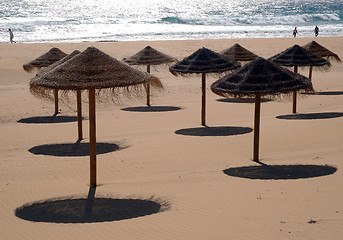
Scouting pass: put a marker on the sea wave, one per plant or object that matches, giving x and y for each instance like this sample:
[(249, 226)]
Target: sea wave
[(173, 20), (255, 20), (54, 20), (290, 19)]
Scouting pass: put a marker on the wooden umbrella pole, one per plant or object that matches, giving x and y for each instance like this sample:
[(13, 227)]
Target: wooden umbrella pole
[(257, 127), (56, 100), (310, 73), (79, 114), (92, 137), (148, 88), (294, 102), (295, 94), (203, 105)]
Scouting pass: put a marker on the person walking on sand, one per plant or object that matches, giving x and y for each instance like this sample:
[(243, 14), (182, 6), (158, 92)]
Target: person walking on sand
[(316, 31), (295, 31), (11, 36)]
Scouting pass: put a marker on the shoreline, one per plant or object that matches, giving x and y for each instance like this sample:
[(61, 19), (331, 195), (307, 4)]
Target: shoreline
[(164, 40)]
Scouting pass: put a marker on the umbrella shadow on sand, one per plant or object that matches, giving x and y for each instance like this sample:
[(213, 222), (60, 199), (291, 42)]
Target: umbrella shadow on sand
[(241, 100), (48, 119), (280, 172), (214, 131), (89, 210), (327, 93), (311, 116), (77, 149), (151, 109)]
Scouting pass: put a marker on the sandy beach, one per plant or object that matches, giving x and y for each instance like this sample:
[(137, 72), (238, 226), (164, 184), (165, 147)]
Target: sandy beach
[(166, 156)]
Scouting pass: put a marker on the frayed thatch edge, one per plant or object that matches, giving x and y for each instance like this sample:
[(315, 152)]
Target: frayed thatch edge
[(114, 94), (334, 57), (153, 68), (155, 83), (190, 74), (30, 68), (323, 68), (281, 97), (125, 60)]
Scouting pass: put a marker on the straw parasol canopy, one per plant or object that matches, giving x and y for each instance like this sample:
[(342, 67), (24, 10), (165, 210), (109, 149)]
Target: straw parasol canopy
[(50, 57), (204, 61), (149, 56), (55, 64), (297, 56), (239, 53), (260, 78), (55, 92), (321, 51), (93, 70)]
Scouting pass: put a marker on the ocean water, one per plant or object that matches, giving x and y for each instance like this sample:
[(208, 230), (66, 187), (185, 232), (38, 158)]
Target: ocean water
[(131, 20)]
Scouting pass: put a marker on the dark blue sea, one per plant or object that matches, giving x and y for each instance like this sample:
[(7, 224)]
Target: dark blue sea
[(132, 20)]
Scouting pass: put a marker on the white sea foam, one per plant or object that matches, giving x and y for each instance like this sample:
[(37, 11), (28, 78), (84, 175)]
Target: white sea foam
[(101, 20)]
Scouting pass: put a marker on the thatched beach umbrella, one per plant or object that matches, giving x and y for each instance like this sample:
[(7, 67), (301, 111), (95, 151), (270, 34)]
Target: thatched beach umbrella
[(204, 61), (149, 56), (49, 68), (260, 78), (239, 53), (48, 58), (297, 56), (94, 71), (321, 51)]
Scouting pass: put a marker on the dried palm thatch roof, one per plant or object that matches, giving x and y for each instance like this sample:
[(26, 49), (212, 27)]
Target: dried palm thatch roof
[(321, 51), (45, 94), (149, 56), (298, 56), (48, 69), (50, 57), (52, 66), (91, 68), (239, 53), (204, 61), (260, 77)]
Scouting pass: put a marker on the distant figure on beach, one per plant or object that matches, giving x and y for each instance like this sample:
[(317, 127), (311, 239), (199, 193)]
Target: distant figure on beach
[(11, 35), (316, 31), (295, 31)]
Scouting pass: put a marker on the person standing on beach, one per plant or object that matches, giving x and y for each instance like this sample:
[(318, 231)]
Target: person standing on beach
[(295, 31), (11, 35), (316, 31)]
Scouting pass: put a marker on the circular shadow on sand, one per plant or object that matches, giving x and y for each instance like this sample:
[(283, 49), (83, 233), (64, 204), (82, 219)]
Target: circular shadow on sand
[(311, 116), (73, 149), (49, 119), (328, 93), (214, 131), (241, 100), (279, 172), (151, 109), (87, 210)]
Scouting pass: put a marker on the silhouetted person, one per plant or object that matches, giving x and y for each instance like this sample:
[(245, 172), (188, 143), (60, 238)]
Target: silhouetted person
[(295, 31), (316, 31), (11, 36)]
